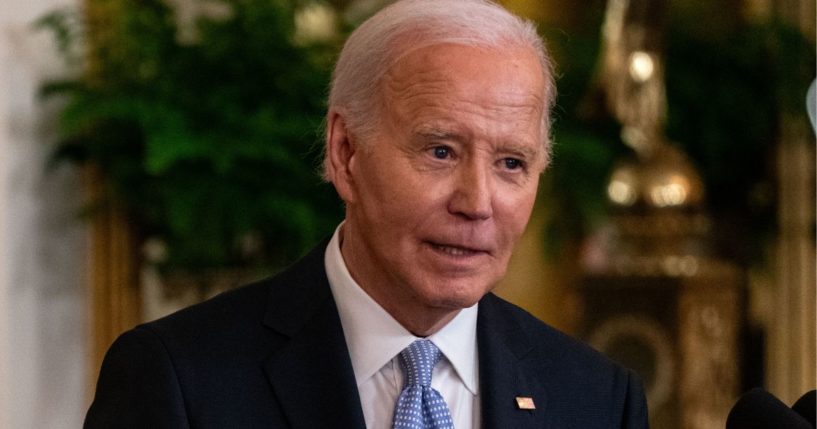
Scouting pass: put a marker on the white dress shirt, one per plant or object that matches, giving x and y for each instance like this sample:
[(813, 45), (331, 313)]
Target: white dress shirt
[(375, 340)]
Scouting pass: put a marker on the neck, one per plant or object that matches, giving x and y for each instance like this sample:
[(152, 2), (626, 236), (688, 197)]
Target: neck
[(423, 325)]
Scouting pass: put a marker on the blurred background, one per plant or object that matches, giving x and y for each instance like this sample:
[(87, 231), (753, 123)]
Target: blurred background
[(154, 153)]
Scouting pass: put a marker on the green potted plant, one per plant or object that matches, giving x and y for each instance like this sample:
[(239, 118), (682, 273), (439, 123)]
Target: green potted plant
[(206, 135)]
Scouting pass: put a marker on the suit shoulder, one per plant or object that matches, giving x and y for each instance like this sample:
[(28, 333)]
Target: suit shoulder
[(247, 305), (548, 342), (585, 385), (244, 303)]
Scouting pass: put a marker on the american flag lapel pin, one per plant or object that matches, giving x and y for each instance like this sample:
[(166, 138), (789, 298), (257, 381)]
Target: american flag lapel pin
[(525, 403)]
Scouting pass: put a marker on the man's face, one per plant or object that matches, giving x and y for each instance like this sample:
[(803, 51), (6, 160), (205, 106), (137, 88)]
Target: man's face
[(440, 196)]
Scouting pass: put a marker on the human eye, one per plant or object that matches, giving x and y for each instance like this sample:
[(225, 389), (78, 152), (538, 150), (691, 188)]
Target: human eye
[(512, 163), (441, 152)]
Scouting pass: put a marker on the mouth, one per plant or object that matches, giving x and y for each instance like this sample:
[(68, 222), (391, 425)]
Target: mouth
[(456, 250)]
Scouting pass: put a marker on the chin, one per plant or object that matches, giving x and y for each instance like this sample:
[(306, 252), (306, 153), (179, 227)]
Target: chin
[(457, 298)]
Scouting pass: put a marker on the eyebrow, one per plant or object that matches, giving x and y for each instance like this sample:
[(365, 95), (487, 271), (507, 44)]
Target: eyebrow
[(437, 133), (525, 151)]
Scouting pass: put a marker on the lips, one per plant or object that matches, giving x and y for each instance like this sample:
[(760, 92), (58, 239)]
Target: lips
[(457, 250)]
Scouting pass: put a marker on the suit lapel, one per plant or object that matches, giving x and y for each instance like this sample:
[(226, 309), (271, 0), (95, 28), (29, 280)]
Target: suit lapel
[(311, 373), (503, 345)]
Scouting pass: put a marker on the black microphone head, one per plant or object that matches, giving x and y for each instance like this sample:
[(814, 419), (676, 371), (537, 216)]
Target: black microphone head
[(758, 409), (806, 406)]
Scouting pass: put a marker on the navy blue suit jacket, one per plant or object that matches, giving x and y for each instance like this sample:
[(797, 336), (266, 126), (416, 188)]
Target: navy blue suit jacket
[(273, 355)]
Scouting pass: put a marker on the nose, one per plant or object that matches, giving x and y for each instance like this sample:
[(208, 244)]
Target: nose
[(473, 193)]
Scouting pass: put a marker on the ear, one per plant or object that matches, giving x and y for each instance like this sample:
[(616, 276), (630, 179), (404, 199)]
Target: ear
[(340, 156)]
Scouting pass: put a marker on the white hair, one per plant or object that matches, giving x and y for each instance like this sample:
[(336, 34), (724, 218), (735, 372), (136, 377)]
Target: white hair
[(407, 25)]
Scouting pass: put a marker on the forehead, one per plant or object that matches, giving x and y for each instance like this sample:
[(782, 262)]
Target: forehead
[(502, 70), (502, 88)]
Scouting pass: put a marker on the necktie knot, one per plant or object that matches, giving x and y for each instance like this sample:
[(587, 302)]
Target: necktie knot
[(419, 406), (418, 360)]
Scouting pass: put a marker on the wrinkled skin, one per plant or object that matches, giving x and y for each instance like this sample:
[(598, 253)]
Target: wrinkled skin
[(439, 197)]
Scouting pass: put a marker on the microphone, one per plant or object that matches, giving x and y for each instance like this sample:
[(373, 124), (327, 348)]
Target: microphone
[(806, 406), (758, 409)]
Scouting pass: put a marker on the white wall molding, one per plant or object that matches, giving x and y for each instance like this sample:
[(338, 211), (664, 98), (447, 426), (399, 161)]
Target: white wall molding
[(42, 242)]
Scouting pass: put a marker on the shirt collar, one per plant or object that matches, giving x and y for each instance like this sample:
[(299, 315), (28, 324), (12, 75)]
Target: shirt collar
[(374, 337)]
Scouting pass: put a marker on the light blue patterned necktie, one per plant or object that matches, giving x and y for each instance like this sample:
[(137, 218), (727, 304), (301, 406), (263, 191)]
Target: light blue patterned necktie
[(419, 406)]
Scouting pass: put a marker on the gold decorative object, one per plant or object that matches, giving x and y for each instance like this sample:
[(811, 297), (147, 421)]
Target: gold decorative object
[(659, 225), (633, 71), (666, 179), (709, 378), (654, 297)]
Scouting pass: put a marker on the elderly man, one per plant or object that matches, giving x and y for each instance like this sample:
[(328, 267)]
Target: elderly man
[(437, 132)]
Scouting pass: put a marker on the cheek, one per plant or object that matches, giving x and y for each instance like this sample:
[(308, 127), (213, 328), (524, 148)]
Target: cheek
[(406, 193), (515, 212), (395, 198)]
